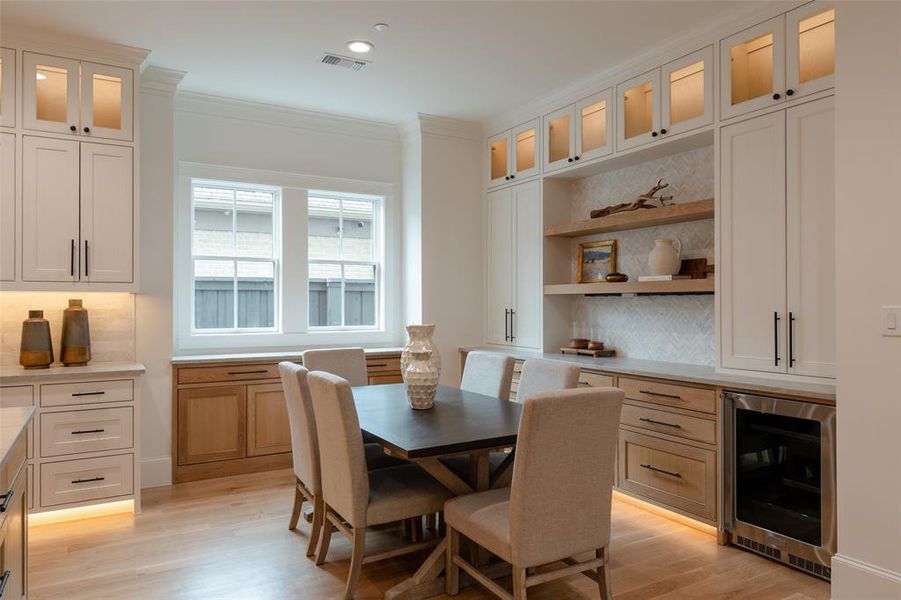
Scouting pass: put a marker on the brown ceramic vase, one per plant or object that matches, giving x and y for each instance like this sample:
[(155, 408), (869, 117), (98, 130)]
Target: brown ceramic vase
[(75, 348), (36, 350)]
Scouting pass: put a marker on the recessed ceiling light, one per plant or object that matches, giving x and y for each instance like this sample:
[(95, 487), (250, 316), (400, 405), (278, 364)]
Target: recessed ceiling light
[(359, 46), (380, 26), (41, 77)]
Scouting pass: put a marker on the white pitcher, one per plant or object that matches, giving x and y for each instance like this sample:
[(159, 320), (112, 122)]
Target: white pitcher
[(665, 257)]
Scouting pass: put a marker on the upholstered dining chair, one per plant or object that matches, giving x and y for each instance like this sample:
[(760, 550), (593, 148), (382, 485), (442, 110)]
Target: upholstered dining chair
[(347, 363), (487, 373), (305, 449), (354, 497), (545, 376), (558, 505)]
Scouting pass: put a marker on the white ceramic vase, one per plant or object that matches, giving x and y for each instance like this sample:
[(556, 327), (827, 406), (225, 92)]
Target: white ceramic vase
[(421, 380), (665, 257), (420, 339)]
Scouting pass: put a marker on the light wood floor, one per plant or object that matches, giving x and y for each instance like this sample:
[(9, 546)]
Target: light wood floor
[(228, 538)]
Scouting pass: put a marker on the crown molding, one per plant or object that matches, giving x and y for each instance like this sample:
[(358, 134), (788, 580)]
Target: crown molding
[(447, 127), (71, 46), (161, 80), (409, 130), (283, 116)]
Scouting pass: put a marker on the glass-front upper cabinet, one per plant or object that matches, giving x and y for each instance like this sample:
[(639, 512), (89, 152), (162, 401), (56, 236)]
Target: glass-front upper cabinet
[(687, 94), (7, 87), (50, 93), (638, 110), (513, 154), (810, 49), (106, 101), (594, 117), (499, 159), (560, 138)]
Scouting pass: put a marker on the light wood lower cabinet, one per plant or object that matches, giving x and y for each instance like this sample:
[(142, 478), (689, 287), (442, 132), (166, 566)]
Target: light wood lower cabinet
[(268, 431), (211, 424), (13, 524)]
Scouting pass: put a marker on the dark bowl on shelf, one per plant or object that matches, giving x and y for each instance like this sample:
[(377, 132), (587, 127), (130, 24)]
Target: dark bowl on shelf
[(616, 277)]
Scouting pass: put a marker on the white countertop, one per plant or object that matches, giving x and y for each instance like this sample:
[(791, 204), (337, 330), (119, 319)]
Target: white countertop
[(688, 373), (12, 421), (20, 375), (261, 356)]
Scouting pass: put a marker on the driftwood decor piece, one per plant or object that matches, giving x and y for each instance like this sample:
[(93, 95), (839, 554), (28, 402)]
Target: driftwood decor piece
[(646, 200)]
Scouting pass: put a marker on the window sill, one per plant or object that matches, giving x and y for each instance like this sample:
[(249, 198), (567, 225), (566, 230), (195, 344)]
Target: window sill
[(225, 342)]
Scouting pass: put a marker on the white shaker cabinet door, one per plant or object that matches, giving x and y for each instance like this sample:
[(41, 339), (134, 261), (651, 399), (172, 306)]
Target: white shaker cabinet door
[(500, 265), (526, 319), (7, 207), (810, 191), (107, 213), (49, 209), (752, 234)]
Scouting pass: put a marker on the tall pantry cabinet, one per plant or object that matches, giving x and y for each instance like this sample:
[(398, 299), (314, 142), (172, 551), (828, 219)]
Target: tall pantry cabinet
[(777, 196)]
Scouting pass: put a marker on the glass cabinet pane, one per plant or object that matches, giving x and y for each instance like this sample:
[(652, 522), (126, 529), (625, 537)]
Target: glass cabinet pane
[(638, 109), (525, 150), (499, 158), (594, 126), (558, 138), (752, 68), (816, 49), (686, 92), (107, 98), (51, 93)]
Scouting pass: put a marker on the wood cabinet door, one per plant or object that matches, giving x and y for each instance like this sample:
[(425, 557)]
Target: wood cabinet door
[(50, 93), (752, 67), (13, 540), (686, 100), (810, 200), (7, 87), (524, 147), (211, 424), (107, 98), (594, 126), (499, 159), (752, 244), (525, 322), (638, 110), (500, 265), (810, 48), (8, 250), (268, 431), (107, 214), (559, 138), (50, 193)]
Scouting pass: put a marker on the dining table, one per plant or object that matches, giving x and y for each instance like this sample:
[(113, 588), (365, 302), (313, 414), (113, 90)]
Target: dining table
[(461, 423)]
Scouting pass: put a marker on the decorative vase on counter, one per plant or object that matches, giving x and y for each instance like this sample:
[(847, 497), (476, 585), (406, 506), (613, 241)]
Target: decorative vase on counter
[(420, 339), (75, 347), (665, 257), (36, 350), (421, 379)]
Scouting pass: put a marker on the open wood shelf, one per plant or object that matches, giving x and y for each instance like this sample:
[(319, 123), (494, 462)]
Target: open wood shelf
[(676, 213), (680, 286)]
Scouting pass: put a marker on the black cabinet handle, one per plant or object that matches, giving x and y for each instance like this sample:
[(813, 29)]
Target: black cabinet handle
[(83, 431), (664, 471), (79, 394), (791, 339), (376, 364), (92, 479), (85, 258), (87, 130), (72, 258), (260, 371), (512, 329), (650, 393), (776, 337), (506, 324), (653, 422), (6, 498), (663, 131), (507, 178), (73, 128), (570, 159), (3, 580), (789, 92), (653, 134), (578, 157), (776, 96), (512, 176)]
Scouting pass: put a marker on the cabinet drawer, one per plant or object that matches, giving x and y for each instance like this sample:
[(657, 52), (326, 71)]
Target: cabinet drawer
[(383, 365), (692, 428), (87, 479), (78, 431), (668, 394), (676, 475), (88, 392), (227, 373), (587, 379), (385, 378)]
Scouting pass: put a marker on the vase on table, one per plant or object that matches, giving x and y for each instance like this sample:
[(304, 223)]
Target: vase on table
[(75, 347), (420, 339), (421, 380), (666, 257), (36, 350)]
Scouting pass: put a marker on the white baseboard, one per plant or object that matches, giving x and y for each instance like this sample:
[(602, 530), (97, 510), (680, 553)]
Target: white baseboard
[(853, 579), (156, 471)]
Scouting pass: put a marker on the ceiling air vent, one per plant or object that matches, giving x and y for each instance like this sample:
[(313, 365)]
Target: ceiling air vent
[(336, 60)]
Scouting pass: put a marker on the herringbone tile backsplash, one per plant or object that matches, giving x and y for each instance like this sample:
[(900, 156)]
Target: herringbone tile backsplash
[(667, 328)]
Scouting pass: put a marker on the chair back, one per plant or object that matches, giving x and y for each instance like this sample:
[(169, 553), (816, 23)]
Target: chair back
[(347, 363), (345, 479), (488, 373), (546, 376), (560, 496), (304, 441)]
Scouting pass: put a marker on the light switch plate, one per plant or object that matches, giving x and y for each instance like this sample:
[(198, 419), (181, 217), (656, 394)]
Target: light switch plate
[(891, 321)]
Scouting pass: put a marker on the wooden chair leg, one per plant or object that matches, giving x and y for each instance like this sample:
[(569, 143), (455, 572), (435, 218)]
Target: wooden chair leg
[(356, 562), (431, 521), (451, 570), (604, 574), (298, 505), (519, 584), (319, 521), (326, 537), (417, 529), (408, 530)]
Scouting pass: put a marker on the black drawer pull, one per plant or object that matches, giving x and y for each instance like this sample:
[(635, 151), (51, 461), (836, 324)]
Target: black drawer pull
[(653, 422), (82, 431), (6, 498), (649, 393), (664, 471), (3, 580), (261, 371), (88, 480), (377, 365), (79, 394)]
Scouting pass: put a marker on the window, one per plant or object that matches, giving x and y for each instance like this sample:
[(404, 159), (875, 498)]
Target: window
[(344, 260), (234, 256)]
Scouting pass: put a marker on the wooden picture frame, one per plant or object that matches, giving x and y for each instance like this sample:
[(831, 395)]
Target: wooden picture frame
[(602, 252)]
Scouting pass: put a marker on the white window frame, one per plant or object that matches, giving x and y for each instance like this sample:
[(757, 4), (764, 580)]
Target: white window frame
[(294, 332)]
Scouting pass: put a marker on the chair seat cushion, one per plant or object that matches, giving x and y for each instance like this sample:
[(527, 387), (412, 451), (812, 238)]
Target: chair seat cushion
[(484, 518), (460, 464), (398, 493), (377, 459)]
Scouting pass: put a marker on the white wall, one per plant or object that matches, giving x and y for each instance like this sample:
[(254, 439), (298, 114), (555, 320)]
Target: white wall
[(868, 160)]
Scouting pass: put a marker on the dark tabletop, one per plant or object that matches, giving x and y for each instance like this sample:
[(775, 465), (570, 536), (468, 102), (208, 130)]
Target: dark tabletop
[(460, 421)]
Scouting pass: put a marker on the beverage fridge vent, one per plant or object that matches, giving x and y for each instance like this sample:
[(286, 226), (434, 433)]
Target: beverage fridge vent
[(810, 566), (760, 548)]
